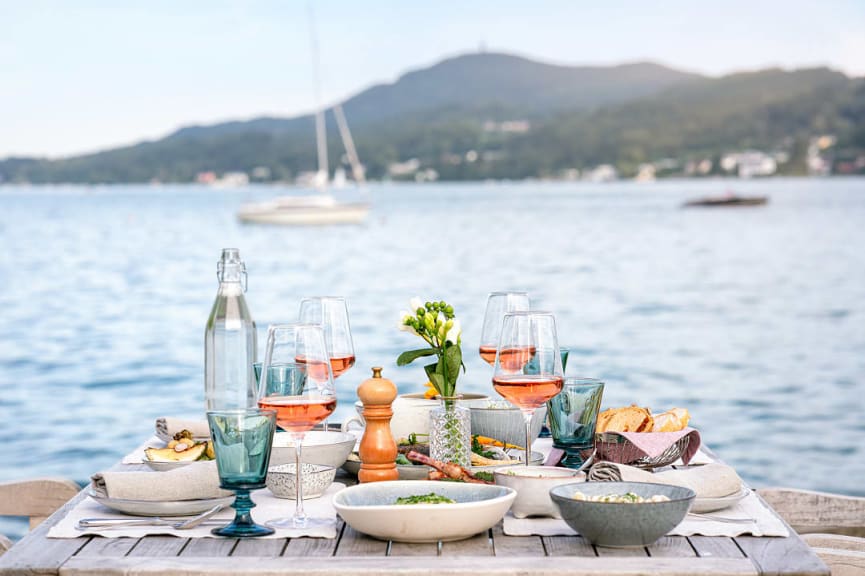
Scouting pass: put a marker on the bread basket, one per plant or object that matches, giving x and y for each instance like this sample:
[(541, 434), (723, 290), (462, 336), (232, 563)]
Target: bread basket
[(613, 447)]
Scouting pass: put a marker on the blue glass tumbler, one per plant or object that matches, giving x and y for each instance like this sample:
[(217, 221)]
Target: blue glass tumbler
[(242, 441), (573, 414)]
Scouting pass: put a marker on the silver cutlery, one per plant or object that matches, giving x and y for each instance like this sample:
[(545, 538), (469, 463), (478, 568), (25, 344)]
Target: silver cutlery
[(176, 523), (722, 518)]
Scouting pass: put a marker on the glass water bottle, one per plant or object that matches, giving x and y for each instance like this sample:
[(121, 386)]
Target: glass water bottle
[(229, 340)]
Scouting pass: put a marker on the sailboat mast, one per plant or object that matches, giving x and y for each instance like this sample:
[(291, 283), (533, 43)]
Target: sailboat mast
[(320, 130)]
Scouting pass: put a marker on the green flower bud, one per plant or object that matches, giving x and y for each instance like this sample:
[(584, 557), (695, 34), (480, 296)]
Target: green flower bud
[(428, 305), (438, 323), (429, 322), (421, 311), (449, 310), (448, 325)]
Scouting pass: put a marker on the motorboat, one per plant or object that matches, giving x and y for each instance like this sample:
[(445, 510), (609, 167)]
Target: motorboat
[(729, 199), (311, 210)]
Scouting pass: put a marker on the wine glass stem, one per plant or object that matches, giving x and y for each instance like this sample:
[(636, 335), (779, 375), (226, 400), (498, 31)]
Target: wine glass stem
[(299, 514), (527, 416)]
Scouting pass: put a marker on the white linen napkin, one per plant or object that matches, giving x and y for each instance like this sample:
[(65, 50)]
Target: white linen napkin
[(765, 523), (268, 507), (194, 481), (167, 427), (708, 481)]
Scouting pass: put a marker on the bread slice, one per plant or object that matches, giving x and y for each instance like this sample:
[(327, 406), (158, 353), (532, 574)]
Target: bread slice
[(672, 420), (629, 419)]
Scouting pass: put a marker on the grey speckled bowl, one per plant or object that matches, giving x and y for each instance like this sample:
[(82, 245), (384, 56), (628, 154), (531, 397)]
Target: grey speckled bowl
[(621, 525)]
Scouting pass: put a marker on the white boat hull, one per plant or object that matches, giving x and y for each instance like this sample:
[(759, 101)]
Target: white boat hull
[(274, 213)]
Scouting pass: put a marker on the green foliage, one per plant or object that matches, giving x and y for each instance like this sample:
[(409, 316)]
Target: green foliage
[(579, 117)]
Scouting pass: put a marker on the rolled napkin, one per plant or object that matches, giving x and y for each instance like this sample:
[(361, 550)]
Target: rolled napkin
[(195, 481), (708, 481), (167, 427)]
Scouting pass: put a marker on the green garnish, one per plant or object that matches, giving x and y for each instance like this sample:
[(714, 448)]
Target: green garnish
[(488, 476), (478, 448), (403, 461), (431, 498)]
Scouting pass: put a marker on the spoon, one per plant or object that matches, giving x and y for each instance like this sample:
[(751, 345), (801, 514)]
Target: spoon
[(186, 524)]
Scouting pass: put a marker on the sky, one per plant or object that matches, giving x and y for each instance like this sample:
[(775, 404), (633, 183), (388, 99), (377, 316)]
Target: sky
[(83, 76)]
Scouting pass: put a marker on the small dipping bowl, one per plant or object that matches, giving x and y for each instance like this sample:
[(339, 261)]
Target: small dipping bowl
[(533, 485), (282, 480)]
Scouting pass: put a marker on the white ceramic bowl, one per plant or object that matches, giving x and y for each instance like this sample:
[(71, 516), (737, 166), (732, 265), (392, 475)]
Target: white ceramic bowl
[(319, 447), (533, 484), (282, 480), (503, 422), (370, 508)]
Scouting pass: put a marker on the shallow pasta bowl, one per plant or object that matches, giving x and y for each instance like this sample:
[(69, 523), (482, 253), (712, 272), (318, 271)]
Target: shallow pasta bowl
[(621, 525), (372, 509)]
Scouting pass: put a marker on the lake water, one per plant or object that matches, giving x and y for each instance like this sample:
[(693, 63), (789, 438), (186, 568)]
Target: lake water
[(752, 318)]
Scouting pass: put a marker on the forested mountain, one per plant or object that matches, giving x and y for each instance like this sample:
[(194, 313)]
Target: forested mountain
[(502, 116)]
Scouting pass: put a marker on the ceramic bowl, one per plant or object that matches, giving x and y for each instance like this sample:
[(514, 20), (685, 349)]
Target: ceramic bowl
[(533, 485), (621, 525), (502, 421), (282, 480), (319, 447), (371, 509)]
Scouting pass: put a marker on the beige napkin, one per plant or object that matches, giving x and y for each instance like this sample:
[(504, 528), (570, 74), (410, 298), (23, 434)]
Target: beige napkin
[(708, 481), (167, 427), (194, 481)]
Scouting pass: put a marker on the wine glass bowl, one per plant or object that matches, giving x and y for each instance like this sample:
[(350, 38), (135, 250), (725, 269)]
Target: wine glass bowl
[(498, 304), (331, 313), (528, 366), (297, 383)]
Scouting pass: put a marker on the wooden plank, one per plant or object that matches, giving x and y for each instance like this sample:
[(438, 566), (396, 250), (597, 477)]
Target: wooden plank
[(713, 547), (809, 512), (354, 543), (37, 498), (315, 547), (413, 549), (505, 546), (478, 545), (789, 556), (260, 547), (159, 546), (108, 547), (568, 546), (217, 547), (37, 554), (442, 565), (671, 547)]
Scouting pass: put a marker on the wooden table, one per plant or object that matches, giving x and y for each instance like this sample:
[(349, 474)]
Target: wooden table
[(351, 552)]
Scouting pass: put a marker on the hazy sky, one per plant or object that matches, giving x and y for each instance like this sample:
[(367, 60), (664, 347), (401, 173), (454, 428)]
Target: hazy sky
[(78, 76)]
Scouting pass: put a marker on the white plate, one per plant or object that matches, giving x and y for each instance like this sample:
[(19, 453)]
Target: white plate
[(163, 466), (712, 504), (370, 508), (159, 508)]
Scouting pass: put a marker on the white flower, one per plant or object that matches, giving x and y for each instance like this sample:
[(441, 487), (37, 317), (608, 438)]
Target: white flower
[(455, 332), (405, 327), (414, 304)]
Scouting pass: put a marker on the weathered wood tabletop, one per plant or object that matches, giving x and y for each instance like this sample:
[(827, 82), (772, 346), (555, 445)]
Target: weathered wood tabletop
[(490, 552)]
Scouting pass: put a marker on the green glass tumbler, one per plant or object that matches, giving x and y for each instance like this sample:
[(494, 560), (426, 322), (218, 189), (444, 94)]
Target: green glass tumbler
[(573, 414), (242, 441)]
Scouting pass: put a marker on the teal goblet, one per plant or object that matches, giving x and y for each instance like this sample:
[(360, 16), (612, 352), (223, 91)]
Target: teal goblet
[(242, 441)]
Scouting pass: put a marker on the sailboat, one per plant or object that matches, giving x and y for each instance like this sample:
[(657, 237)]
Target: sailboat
[(321, 208)]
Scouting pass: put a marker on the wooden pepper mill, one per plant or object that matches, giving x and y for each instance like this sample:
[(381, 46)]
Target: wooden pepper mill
[(377, 447)]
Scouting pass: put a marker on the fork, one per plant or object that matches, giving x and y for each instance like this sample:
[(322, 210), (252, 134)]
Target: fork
[(722, 518), (186, 524)]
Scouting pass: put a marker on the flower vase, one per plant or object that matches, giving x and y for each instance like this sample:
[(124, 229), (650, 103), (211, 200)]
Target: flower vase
[(450, 432)]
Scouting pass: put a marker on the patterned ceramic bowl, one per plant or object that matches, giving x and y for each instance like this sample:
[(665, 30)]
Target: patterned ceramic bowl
[(282, 481), (621, 525)]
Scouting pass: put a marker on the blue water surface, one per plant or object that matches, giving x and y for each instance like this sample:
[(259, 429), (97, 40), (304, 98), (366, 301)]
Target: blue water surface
[(752, 318)]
